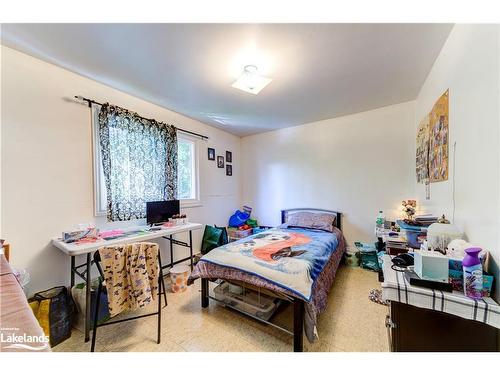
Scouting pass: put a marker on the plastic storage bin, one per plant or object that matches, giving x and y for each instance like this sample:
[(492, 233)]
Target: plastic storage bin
[(415, 236), (415, 239), (246, 300), (235, 233)]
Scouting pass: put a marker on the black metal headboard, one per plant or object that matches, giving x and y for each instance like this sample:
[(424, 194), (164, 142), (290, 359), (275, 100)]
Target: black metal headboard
[(338, 215)]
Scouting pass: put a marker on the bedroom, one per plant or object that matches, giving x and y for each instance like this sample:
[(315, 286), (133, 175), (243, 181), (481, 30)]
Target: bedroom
[(303, 136)]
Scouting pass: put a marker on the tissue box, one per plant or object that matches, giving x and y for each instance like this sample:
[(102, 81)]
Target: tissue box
[(431, 265), (456, 278), (456, 264)]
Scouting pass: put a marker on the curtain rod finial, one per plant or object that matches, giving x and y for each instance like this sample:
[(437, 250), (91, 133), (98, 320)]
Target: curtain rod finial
[(83, 100)]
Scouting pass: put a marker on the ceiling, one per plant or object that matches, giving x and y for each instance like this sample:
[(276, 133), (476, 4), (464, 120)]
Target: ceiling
[(319, 71)]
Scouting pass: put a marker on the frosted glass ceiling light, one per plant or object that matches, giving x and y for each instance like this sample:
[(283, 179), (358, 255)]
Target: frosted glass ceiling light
[(250, 81)]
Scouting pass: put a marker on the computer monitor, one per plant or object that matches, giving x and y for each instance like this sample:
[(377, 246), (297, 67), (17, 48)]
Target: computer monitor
[(161, 211)]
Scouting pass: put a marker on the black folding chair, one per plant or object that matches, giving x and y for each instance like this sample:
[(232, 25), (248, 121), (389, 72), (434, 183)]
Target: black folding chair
[(161, 290)]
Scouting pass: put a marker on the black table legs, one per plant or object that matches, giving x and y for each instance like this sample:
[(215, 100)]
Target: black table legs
[(85, 276), (171, 251), (189, 245), (191, 248), (72, 284), (87, 298)]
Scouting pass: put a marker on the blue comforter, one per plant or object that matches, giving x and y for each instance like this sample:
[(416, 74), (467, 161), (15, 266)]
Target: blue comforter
[(291, 258)]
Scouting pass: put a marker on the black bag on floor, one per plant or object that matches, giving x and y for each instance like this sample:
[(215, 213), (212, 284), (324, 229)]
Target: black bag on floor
[(54, 310)]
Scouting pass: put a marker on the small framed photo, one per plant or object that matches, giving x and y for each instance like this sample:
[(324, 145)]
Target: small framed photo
[(220, 161), (229, 157), (229, 170), (211, 153)]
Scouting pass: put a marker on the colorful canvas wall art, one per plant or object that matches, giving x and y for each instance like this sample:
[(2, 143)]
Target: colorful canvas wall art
[(438, 140), (422, 167), (432, 143)]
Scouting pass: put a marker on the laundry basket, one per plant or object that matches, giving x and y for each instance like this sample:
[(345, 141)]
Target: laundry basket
[(179, 276)]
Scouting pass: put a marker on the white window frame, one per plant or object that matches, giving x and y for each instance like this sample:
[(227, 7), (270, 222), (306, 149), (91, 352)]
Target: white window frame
[(99, 185), (196, 201)]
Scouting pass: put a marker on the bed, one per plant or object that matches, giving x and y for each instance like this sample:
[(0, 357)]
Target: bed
[(291, 262), (16, 317)]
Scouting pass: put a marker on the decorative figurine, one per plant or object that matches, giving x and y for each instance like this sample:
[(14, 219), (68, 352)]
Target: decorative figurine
[(409, 208)]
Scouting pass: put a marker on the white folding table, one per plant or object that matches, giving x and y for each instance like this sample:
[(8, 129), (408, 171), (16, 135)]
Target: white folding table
[(74, 249)]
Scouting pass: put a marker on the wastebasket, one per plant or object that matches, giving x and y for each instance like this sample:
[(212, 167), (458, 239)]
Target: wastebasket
[(179, 276)]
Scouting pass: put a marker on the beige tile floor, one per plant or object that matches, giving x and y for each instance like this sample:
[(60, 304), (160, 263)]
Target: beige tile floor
[(350, 323)]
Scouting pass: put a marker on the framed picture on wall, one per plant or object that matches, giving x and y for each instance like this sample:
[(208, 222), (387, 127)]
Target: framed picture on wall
[(211, 153), (229, 157), (229, 170), (220, 161)]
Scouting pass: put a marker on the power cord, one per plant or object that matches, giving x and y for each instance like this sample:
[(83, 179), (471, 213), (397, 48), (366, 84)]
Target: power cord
[(398, 268), (453, 180)]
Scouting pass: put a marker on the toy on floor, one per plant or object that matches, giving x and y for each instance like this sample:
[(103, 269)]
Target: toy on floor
[(376, 296)]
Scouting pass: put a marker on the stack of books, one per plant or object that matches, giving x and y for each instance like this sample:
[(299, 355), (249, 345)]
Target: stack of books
[(426, 219), (396, 245)]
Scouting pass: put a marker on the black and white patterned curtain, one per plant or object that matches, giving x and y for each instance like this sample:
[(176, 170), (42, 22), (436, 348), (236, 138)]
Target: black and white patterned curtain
[(139, 158)]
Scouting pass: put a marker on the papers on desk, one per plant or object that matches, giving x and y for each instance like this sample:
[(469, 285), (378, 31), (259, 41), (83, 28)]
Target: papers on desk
[(118, 233), (94, 235), (84, 235), (142, 233), (381, 232), (112, 233)]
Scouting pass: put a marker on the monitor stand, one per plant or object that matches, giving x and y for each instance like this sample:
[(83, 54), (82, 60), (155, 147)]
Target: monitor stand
[(157, 224)]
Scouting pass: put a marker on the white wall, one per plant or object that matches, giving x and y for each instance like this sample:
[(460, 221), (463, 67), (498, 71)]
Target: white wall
[(355, 164), (46, 158), (468, 66)]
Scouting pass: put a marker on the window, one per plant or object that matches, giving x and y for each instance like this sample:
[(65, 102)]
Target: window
[(100, 203), (188, 189), (188, 174)]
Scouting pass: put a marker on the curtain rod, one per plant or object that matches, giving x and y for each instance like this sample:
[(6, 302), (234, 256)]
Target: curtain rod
[(90, 102)]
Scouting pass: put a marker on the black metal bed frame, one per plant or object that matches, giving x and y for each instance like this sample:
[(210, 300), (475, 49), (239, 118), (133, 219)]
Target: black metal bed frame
[(298, 304)]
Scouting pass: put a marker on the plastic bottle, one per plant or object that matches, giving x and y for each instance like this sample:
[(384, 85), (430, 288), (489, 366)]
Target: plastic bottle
[(473, 273), (380, 220)]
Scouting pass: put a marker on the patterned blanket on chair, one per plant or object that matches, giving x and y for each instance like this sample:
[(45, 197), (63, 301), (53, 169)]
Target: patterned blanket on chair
[(131, 275)]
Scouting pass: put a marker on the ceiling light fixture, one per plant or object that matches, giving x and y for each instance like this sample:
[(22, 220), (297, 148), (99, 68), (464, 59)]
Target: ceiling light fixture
[(250, 81)]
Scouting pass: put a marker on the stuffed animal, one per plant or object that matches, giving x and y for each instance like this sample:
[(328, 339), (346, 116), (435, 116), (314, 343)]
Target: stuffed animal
[(456, 248)]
